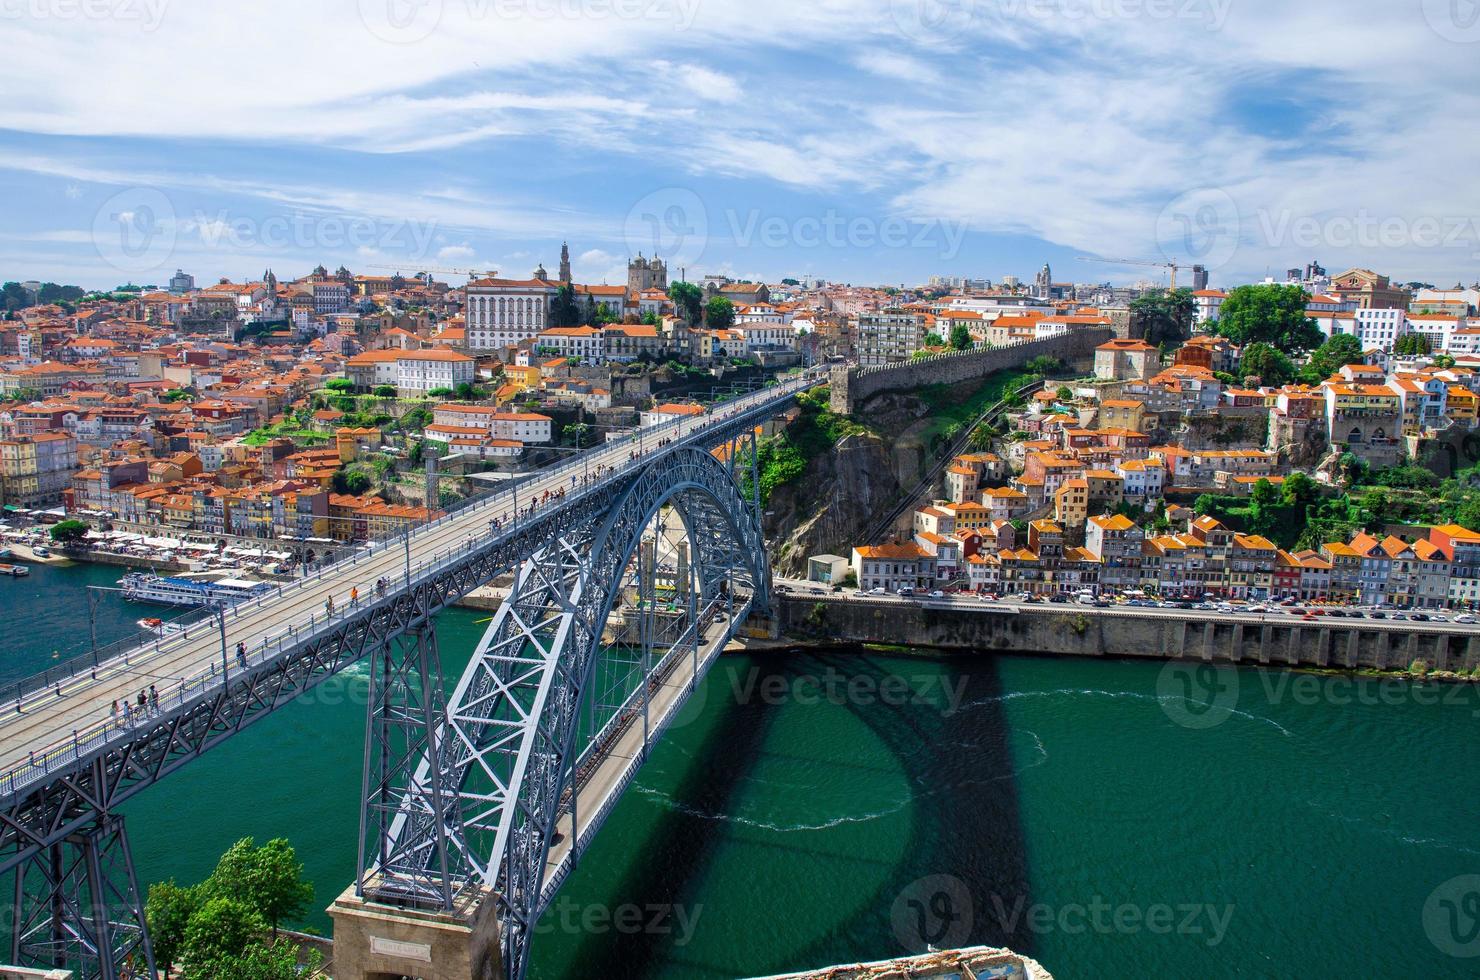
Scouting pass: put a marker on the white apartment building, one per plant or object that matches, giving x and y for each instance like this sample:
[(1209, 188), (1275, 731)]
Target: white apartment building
[(488, 421), (1206, 303), (1379, 328), (502, 312), (421, 371), (583, 342), (766, 334)]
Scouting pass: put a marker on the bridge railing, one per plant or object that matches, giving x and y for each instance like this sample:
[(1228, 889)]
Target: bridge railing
[(87, 664), (62, 748)]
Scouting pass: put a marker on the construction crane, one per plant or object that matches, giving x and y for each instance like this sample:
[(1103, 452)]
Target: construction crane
[(1160, 265), (430, 270)]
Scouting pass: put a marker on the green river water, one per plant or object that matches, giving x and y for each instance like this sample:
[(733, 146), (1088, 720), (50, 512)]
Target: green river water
[(829, 807)]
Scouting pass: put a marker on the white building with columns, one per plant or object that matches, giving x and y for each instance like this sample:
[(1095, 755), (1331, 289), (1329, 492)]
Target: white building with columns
[(502, 312)]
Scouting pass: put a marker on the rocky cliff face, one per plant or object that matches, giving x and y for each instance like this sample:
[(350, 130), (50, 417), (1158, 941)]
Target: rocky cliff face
[(829, 509)]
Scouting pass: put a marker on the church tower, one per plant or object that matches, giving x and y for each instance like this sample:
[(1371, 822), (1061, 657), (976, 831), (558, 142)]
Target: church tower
[(1044, 282), (565, 263)]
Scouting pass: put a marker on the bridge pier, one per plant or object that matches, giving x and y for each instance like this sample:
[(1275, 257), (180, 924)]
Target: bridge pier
[(383, 942), (78, 906)]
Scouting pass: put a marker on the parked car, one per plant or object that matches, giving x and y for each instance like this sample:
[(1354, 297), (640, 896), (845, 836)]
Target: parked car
[(937, 594), (878, 590), (1464, 618)]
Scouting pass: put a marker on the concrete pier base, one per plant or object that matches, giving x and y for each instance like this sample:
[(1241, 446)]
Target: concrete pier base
[(383, 942)]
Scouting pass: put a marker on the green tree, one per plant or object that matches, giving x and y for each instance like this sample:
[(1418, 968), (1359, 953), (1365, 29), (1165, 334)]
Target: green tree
[(961, 337), (384, 391), (651, 318), (467, 391), (1064, 393), (348, 481), (565, 309), (1264, 494), (1412, 345), (218, 933), (719, 314), (1342, 349), (1269, 313), (688, 301), (1267, 363), (168, 910), (339, 384), (1299, 490), (69, 531), (933, 339), (440, 393), (275, 961), (1164, 316), (267, 880)]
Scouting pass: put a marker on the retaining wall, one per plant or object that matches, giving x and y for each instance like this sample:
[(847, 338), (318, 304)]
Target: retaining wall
[(1070, 631), (852, 386)]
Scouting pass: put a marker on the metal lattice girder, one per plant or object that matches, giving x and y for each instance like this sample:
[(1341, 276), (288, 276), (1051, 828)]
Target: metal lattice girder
[(406, 716), (512, 718), (78, 907)]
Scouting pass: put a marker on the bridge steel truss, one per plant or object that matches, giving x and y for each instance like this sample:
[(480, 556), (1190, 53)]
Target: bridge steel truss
[(77, 901), (508, 760)]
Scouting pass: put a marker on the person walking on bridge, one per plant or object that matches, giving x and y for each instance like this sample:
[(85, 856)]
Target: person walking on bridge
[(241, 655), (329, 606), (354, 595)]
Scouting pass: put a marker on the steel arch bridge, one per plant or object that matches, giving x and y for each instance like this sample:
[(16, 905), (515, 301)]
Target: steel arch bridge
[(481, 794), (479, 809)]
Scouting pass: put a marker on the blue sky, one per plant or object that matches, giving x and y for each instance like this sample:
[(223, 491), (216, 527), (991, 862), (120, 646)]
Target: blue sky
[(876, 142)]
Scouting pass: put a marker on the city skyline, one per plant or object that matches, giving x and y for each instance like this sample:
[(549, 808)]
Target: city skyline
[(868, 143)]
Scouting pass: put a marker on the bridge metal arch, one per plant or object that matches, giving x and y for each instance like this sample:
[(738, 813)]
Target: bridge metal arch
[(508, 755)]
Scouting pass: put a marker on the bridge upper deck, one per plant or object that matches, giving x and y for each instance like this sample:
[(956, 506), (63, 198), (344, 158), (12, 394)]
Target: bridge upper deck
[(56, 725)]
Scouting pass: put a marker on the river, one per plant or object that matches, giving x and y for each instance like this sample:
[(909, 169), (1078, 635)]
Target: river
[(829, 807)]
